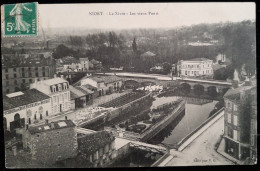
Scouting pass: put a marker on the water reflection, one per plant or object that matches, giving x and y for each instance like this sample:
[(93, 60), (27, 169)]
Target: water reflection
[(195, 114)]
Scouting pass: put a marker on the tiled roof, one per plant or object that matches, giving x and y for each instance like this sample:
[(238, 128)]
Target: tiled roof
[(92, 142), (53, 81), (47, 127), (28, 97), (234, 94), (84, 89), (105, 79), (198, 59), (76, 92)]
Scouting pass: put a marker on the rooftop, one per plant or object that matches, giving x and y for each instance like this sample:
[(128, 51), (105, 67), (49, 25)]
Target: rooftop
[(105, 79), (234, 94), (92, 142), (17, 99), (198, 59), (53, 81), (47, 126)]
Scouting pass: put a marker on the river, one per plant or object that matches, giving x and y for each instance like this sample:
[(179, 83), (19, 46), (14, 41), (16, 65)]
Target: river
[(196, 112)]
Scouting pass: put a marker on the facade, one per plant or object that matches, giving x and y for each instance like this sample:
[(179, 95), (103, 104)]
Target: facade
[(197, 67), (51, 142), (84, 64), (19, 73), (59, 91), (80, 96), (97, 147), (103, 84), (240, 131), (21, 108)]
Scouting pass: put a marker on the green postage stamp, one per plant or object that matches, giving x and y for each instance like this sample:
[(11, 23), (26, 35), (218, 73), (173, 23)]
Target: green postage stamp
[(20, 19)]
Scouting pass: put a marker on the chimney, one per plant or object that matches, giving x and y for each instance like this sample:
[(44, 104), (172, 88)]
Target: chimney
[(52, 125), (46, 121), (66, 117), (235, 80)]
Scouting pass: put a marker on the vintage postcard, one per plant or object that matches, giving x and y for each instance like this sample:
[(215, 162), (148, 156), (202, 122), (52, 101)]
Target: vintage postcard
[(129, 85)]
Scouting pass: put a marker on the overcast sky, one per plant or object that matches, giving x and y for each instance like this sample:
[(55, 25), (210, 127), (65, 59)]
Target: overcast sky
[(169, 14)]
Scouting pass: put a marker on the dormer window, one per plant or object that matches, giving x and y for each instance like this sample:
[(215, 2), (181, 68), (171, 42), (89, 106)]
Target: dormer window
[(65, 86), (54, 88), (59, 87)]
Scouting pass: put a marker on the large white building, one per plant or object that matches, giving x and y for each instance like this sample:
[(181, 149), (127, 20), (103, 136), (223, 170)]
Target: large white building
[(197, 67), (59, 91), (27, 107)]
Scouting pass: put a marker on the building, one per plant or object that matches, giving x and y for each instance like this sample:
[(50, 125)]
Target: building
[(59, 91), (97, 147), (197, 67), (19, 73), (51, 142), (25, 107), (103, 84), (69, 64), (220, 58), (80, 96), (240, 132), (157, 68), (84, 64)]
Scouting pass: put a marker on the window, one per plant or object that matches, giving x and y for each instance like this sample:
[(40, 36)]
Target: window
[(65, 95), (23, 75), (30, 80), (229, 117), (29, 69), (30, 74), (14, 69), (235, 135), (58, 132), (6, 76), (38, 135), (43, 68), (36, 74), (230, 132), (7, 83), (15, 82), (235, 120), (35, 117), (7, 91), (6, 70), (235, 107), (58, 145), (43, 74), (23, 80), (14, 75), (47, 113), (36, 68), (22, 69)]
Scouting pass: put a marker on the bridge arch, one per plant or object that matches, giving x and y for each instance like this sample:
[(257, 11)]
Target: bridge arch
[(212, 90), (185, 87), (198, 89)]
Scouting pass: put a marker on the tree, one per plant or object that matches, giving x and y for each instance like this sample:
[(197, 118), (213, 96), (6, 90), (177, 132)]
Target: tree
[(134, 46)]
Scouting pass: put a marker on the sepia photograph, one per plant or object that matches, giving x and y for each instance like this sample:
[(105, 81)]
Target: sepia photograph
[(106, 85)]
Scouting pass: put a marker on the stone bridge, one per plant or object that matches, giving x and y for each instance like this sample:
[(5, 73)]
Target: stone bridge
[(205, 85)]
